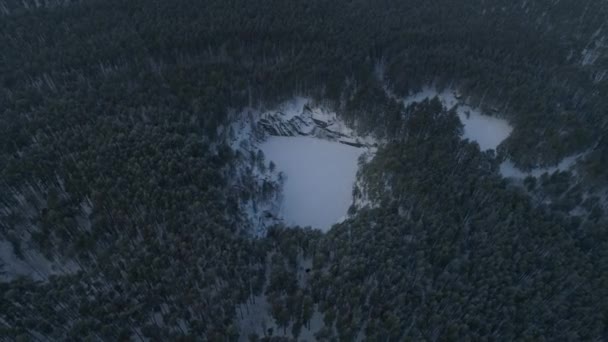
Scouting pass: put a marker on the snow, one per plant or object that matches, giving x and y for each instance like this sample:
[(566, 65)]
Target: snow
[(487, 131), (319, 178), (254, 317), (302, 116), (293, 107), (426, 93), (509, 170), (315, 324), (363, 200), (260, 211), (34, 265), (28, 261)]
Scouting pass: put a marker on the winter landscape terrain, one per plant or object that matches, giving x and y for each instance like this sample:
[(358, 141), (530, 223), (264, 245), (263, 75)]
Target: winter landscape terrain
[(318, 155), (315, 154), (311, 170)]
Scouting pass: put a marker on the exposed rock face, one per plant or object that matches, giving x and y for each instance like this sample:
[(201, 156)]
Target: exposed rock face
[(279, 124), (307, 121)]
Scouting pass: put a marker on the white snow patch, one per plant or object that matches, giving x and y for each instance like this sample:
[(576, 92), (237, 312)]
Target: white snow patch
[(33, 265), (509, 170), (260, 209), (426, 93), (594, 49), (487, 131), (362, 199), (254, 317), (315, 324), (319, 178)]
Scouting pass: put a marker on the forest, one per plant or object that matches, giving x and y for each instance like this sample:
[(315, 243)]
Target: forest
[(114, 167)]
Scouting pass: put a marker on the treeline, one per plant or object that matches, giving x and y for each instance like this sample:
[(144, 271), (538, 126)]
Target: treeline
[(523, 60)]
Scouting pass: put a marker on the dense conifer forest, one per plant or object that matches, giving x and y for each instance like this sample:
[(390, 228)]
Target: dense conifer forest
[(116, 168)]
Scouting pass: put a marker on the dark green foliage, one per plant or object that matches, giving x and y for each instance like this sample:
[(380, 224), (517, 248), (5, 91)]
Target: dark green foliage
[(454, 253), (113, 156)]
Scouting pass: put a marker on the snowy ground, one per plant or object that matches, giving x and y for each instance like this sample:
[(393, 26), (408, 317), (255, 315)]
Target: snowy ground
[(320, 175), (487, 131), (27, 261), (254, 317)]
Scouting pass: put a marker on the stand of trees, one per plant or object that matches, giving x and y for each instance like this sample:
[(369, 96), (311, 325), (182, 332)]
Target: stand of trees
[(454, 252), (112, 156)]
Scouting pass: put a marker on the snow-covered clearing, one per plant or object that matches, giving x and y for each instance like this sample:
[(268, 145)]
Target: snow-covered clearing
[(254, 317), (487, 131), (319, 178), (20, 258)]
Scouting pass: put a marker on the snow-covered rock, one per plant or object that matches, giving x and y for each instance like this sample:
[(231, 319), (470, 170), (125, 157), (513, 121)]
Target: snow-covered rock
[(274, 124), (300, 117)]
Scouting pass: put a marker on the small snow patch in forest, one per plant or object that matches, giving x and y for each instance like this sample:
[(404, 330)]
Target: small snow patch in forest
[(486, 130), (32, 264), (509, 170), (254, 318)]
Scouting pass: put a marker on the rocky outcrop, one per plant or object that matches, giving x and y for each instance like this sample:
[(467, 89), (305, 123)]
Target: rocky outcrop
[(305, 120), (279, 124)]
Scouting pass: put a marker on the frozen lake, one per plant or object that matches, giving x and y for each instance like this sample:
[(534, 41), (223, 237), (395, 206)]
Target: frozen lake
[(319, 178)]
